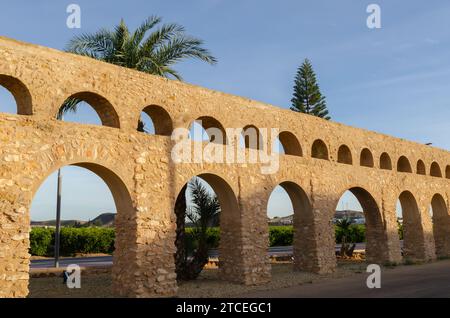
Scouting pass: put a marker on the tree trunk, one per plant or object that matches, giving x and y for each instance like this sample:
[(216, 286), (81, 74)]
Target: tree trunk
[(350, 250), (343, 246), (195, 265), (180, 244)]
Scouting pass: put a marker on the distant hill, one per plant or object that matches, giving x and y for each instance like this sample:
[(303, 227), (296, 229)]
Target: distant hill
[(103, 220)]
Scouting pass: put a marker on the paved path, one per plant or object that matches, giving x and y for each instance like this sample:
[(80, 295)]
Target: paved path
[(287, 250), (429, 280), (107, 260), (82, 261)]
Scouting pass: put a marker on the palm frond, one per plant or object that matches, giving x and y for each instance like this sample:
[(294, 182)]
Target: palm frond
[(171, 72), (95, 45), (181, 47), (121, 35), (159, 36), (69, 105), (205, 209), (139, 34)]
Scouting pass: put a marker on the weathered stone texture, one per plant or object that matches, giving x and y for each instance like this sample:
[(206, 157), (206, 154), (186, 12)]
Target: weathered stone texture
[(145, 181)]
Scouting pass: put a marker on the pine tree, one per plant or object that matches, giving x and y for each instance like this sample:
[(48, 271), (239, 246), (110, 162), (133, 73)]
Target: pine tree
[(307, 96)]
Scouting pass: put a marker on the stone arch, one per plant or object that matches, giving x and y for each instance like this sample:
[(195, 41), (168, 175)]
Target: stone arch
[(385, 161), (210, 124), (104, 109), (366, 158), (125, 228), (447, 172), (119, 190), (413, 235), (319, 150), (230, 258), (421, 167), (20, 93), (345, 155), (161, 119), (403, 165), (435, 170), (376, 236), (290, 144), (441, 225), (252, 137), (303, 222)]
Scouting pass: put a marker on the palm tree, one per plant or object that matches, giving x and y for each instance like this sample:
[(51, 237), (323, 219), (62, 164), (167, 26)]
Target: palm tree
[(155, 53), (203, 213), (344, 225)]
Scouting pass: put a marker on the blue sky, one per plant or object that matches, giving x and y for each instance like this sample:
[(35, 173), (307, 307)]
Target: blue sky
[(393, 80)]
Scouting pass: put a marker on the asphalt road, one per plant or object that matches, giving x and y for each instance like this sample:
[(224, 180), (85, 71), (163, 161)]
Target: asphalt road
[(81, 261), (107, 260), (424, 281)]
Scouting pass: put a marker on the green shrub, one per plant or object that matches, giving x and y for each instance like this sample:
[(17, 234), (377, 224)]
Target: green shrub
[(400, 230), (281, 235), (73, 240), (213, 237), (41, 241), (357, 234), (213, 234), (87, 240)]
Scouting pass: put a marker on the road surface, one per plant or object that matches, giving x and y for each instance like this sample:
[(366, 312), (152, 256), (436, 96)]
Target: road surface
[(428, 280), (107, 260), (81, 261)]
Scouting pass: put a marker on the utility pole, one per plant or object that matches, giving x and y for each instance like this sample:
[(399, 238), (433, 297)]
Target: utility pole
[(58, 219), (58, 214)]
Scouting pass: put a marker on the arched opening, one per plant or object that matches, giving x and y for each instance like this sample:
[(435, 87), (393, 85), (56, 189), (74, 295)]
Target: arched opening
[(366, 158), (358, 219), (209, 129), (385, 161), (441, 226), (288, 209), (207, 205), (345, 155), (89, 108), (15, 98), (96, 218), (288, 144), (319, 150), (251, 138), (421, 167), (403, 165), (447, 172), (155, 120), (435, 170), (410, 223)]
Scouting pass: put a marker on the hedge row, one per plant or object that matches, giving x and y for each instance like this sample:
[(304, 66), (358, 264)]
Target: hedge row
[(357, 234), (73, 241), (284, 235), (101, 240), (213, 237)]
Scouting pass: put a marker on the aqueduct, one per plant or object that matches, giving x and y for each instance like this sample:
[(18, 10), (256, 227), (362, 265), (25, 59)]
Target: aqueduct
[(322, 160)]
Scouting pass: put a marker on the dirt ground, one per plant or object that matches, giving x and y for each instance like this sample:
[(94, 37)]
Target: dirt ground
[(207, 285)]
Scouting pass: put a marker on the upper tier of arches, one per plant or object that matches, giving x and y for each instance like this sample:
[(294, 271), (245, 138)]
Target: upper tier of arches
[(164, 122)]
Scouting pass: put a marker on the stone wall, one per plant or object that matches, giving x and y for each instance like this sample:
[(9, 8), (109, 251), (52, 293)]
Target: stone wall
[(145, 182)]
